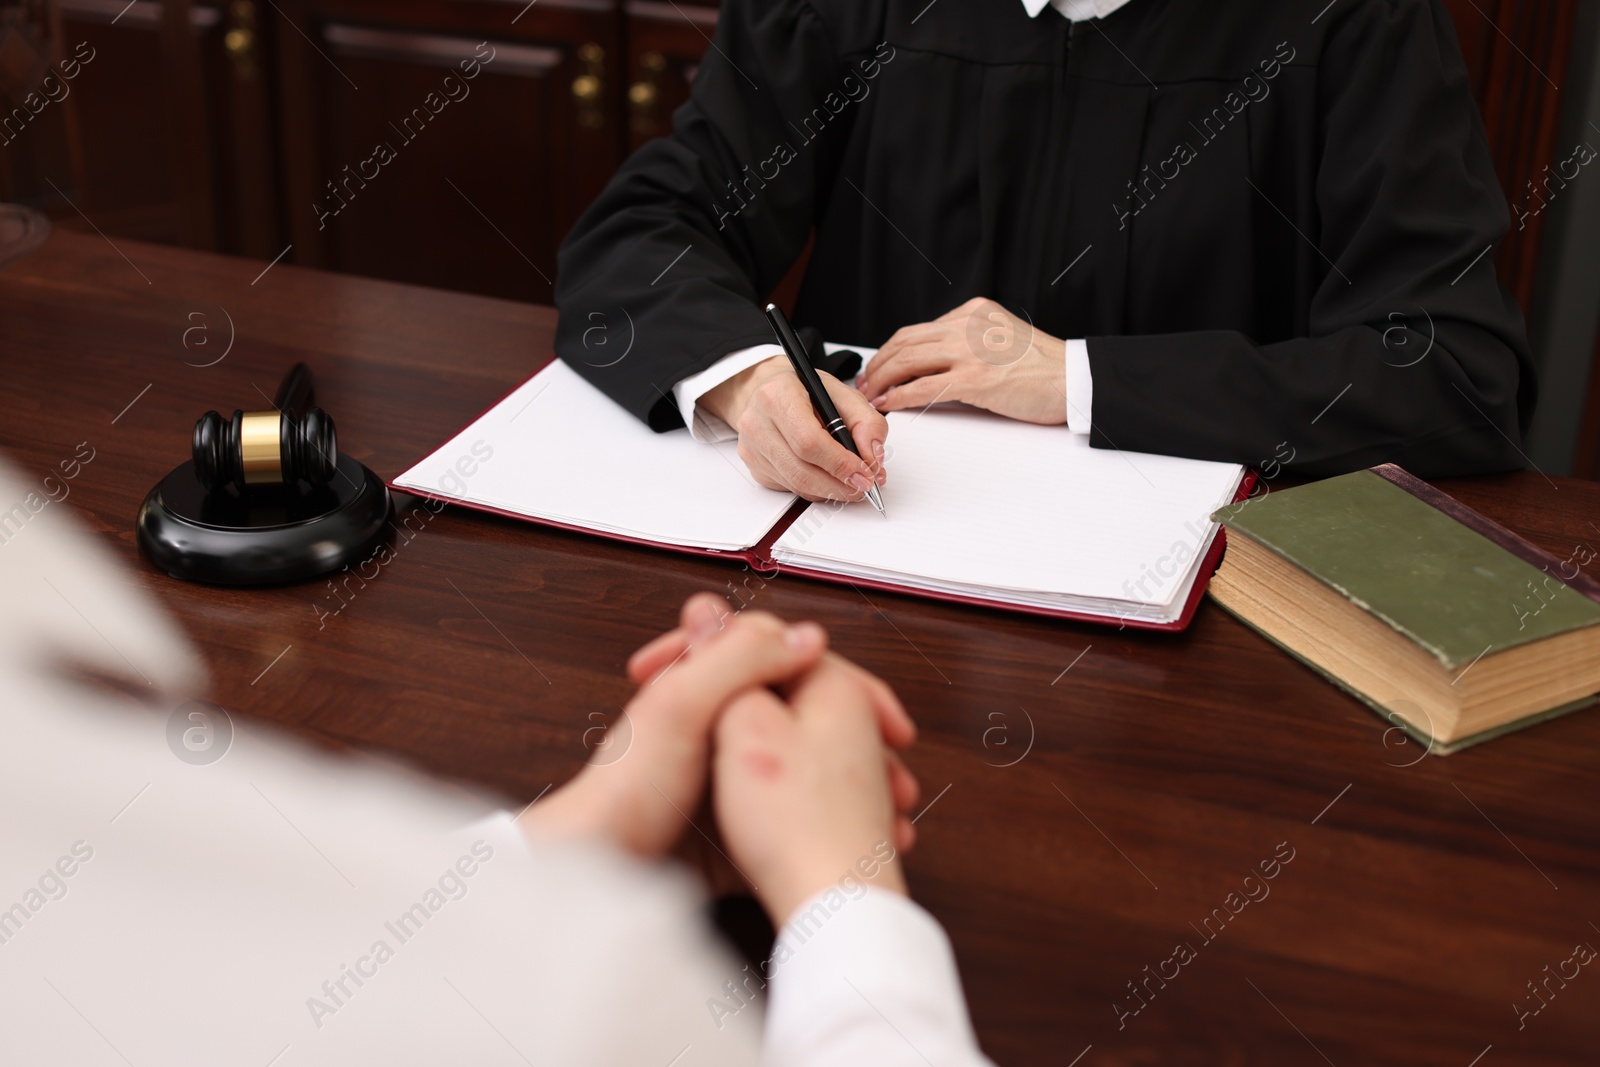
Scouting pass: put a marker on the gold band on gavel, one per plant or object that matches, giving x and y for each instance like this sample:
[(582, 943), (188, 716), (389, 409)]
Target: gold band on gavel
[(258, 447)]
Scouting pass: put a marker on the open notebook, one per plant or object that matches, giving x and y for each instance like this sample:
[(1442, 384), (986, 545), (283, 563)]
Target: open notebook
[(980, 508)]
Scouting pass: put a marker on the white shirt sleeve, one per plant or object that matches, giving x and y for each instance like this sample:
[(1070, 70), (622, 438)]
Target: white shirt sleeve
[(710, 429), (1080, 386), (866, 979), (702, 424)]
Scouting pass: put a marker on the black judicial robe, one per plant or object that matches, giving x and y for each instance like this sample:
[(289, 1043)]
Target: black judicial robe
[(1271, 219)]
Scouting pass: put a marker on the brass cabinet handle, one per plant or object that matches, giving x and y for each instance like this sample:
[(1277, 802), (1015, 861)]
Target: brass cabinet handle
[(240, 40), (644, 95), (588, 88)]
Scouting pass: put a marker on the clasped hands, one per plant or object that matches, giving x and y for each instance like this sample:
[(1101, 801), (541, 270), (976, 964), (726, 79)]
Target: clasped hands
[(798, 744), (978, 354)]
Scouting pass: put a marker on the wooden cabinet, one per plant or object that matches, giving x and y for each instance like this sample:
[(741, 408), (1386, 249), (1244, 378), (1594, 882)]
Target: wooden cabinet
[(449, 143), (442, 143), (158, 133)]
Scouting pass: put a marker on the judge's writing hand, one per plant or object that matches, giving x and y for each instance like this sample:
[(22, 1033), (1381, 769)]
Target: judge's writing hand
[(807, 797), (647, 777), (978, 354), (782, 441)]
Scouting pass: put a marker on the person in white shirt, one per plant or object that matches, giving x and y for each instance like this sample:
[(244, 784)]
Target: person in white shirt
[(179, 886)]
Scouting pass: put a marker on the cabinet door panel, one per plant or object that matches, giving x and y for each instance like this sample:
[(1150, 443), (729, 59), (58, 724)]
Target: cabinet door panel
[(444, 207), (158, 134), (403, 167), (122, 127)]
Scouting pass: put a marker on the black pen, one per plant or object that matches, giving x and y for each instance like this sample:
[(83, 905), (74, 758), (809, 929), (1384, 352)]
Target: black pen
[(801, 361)]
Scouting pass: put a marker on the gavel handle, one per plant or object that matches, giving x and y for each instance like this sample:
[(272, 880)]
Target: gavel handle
[(296, 393)]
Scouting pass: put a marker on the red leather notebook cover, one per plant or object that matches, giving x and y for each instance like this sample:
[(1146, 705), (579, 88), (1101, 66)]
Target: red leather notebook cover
[(760, 555)]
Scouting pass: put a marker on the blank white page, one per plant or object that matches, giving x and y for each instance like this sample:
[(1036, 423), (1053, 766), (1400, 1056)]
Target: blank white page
[(988, 506), (562, 451)]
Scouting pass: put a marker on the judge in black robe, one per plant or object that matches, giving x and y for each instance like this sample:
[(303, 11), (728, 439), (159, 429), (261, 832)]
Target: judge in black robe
[(1272, 220)]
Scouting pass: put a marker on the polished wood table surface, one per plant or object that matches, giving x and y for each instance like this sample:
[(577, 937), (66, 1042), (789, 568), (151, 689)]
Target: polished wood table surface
[(1096, 796)]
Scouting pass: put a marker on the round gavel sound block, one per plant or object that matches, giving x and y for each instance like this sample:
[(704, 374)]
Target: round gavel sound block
[(266, 499), (264, 535), (265, 448)]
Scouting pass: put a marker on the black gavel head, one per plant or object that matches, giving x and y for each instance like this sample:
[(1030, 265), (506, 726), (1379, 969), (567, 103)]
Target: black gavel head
[(264, 448)]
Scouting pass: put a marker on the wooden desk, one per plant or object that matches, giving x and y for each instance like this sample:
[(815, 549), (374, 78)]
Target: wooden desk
[(1096, 794)]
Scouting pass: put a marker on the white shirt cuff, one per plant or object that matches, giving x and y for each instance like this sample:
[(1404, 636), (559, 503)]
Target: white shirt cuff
[(1080, 386), (702, 424), (850, 971)]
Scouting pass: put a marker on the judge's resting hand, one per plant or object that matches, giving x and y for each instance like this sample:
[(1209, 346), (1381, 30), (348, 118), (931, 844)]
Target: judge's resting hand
[(806, 794), (648, 776), (782, 441), (978, 354)]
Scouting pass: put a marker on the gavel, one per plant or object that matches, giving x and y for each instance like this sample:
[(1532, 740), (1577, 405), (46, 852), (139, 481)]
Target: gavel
[(266, 499), (268, 448)]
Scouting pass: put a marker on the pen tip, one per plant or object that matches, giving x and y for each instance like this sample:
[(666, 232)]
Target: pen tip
[(769, 307)]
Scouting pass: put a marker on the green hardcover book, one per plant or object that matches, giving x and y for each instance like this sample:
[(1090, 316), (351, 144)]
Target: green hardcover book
[(1444, 622)]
